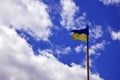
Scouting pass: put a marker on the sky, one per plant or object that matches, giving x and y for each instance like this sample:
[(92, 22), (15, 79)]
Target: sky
[(36, 42)]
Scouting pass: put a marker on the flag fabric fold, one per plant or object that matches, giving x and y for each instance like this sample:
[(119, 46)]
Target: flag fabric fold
[(80, 34)]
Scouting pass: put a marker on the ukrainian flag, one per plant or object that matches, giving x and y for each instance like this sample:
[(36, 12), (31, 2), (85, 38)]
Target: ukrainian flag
[(80, 34)]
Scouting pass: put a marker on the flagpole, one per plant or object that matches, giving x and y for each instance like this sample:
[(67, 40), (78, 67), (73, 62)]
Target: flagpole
[(88, 66)]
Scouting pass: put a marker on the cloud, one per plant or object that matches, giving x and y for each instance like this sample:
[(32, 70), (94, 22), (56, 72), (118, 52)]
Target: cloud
[(96, 32), (110, 2), (69, 9), (69, 16), (63, 50), (115, 35), (94, 52), (97, 47), (81, 21), (79, 48), (17, 61), (28, 15)]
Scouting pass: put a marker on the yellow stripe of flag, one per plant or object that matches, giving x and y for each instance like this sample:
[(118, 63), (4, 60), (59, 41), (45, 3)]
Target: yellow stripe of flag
[(78, 36)]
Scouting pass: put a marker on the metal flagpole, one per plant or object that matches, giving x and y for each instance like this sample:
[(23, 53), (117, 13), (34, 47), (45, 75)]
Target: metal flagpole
[(87, 53)]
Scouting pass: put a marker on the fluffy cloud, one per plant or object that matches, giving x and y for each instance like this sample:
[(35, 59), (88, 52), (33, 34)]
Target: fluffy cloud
[(63, 50), (81, 21), (110, 2), (96, 32), (96, 47), (28, 15), (69, 8), (94, 52), (93, 48), (79, 48), (17, 62), (115, 35)]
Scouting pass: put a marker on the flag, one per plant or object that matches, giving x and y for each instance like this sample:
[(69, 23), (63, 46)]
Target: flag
[(80, 34)]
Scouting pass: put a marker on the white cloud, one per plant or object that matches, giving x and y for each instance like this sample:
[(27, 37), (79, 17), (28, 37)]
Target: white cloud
[(115, 35), (81, 21), (17, 62), (110, 2), (69, 8), (96, 32), (70, 19), (84, 63), (96, 47), (29, 15), (94, 51), (79, 48), (63, 50)]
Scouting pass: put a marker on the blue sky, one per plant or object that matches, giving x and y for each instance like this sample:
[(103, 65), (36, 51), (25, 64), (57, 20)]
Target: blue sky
[(38, 40)]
